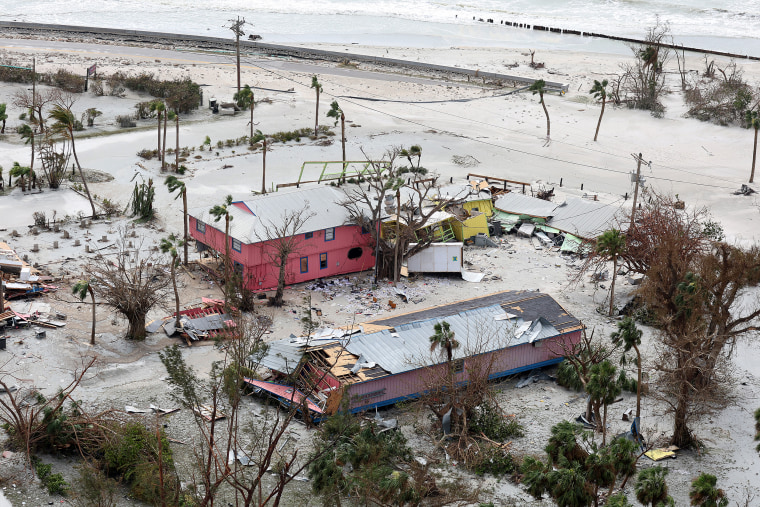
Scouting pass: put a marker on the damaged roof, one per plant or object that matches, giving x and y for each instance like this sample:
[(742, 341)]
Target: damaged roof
[(529, 305), (267, 211), (524, 205), (580, 217), (585, 219), (407, 347), (483, 324)]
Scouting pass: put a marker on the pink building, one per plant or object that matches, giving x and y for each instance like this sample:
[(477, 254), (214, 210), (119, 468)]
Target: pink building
[(327, 243), (391, 360)]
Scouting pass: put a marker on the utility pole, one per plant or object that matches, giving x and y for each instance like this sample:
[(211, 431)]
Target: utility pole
[(237, 29), (639, 160), (264, 166)]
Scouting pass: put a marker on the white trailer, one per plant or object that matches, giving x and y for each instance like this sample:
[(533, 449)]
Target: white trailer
[(437, 258)]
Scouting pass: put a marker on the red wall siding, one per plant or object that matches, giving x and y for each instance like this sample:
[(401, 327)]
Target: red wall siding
[(261, 273)]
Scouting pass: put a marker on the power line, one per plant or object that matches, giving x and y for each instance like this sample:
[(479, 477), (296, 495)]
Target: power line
[(485, 142)]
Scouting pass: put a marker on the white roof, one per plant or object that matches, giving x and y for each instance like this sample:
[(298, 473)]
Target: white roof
[(267, 211), (586, 219), (524, 205)]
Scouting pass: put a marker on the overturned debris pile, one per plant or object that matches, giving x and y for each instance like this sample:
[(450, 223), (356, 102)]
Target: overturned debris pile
[(209, 320)]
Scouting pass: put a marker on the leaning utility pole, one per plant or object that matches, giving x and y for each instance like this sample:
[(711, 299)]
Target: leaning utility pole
[(639, 160), (237, 29)]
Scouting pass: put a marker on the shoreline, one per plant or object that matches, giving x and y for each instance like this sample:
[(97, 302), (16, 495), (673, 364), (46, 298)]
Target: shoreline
[(535, 36)]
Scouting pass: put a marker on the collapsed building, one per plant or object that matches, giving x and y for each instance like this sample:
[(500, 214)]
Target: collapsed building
[(389, 360)]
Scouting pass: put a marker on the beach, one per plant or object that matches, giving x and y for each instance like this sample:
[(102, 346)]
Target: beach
[(451, 119)]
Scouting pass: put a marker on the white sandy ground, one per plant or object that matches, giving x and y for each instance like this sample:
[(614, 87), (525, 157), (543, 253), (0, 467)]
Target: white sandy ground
[(504, 133)]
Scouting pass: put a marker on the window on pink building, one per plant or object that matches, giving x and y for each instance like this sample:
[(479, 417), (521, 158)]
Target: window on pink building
[(330, 234), (200, 226), (304, 264), (323, 261)]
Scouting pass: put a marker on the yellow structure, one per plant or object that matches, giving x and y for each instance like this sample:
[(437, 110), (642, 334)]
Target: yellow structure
[(471, 226), (484, 206)]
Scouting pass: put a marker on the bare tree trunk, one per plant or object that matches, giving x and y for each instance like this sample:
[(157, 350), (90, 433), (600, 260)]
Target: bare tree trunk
[(176, 156), (251, 138), (681, 433), (163, 151), (548, 124), (2, 294), (612, 284), (598, 124), (754, 157), (184, 210), (159, 134), (136, 330), (638, 383), (264, 167), (343, 138), (92, 333), (81, 175), (176, 292), (316, 116), (604, 426), (281, 281)]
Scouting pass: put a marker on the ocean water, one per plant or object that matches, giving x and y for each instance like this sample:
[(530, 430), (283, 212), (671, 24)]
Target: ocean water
[(728, 25)]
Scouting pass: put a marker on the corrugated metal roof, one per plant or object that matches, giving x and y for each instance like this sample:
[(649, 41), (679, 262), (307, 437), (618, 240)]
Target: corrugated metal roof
[(585, 219), (524, 205), (283, 355), (408, 346), (269, 210)]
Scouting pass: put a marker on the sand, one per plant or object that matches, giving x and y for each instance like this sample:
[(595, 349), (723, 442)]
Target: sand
[(505, 134)]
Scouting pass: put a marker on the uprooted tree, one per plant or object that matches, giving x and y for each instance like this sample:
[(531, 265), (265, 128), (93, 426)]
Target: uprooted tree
[(131, 282), (697, 290), (389, 184)]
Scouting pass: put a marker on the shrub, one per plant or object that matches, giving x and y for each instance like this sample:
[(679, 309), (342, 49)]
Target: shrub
[(65, 80), (126, 121), (496, 462), (39, 219), (489, 420), (147, 154), (133, 455), (55, 483)]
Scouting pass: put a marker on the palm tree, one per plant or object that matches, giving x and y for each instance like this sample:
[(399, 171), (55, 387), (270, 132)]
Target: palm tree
[(611, 245), (174, 115), (539, 87), (599, 91), (64, 125), (651, 488), (603, 387), (753, 121), (169, 245), (3, 116), (175, 184), (163, 147), (337, 113), (414, 151), (219, 211), (245, 100), (158, 107), (444, 338), (703, 492), (80, 290), (21, 172), (317, 88), (630, 337), (27, 133)]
